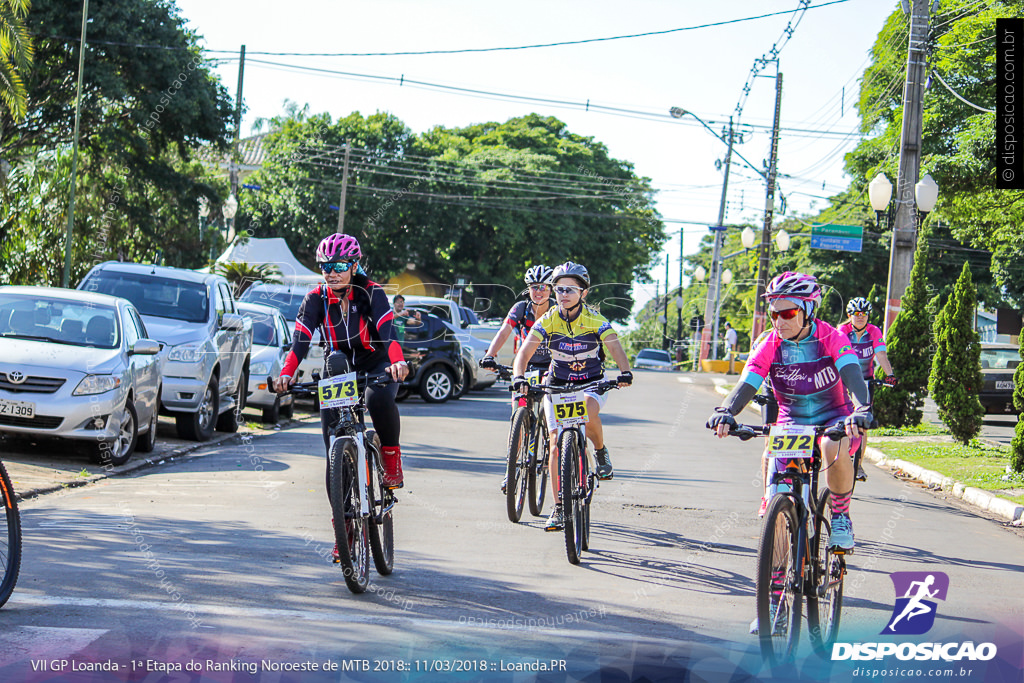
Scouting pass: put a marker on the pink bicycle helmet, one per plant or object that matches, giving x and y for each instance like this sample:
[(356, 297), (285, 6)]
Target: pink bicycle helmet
[(338, 247), (800, 288)]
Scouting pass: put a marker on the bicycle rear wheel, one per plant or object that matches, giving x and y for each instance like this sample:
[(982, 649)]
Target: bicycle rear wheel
[(824, 610), (382, 500), (516, 464), (10, 537), (537, 482), (573, 494), (350, 526), (778, 602)]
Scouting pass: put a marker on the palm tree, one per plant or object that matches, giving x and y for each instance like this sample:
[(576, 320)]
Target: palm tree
[(241, 274), (15, 56)]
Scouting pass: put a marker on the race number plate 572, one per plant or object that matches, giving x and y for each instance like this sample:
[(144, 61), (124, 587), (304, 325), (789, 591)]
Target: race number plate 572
[(570, 409), (791, 441), (338, 392)]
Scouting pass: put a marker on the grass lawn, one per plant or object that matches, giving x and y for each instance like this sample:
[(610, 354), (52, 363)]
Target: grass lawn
[(976, 465)]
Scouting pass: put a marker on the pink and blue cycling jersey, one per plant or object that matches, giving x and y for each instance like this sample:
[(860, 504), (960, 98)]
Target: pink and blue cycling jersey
[(804, 375), (866, 344)]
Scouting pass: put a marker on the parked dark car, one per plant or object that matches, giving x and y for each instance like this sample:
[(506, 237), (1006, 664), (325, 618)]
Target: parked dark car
[(435, 361), (998, 363)]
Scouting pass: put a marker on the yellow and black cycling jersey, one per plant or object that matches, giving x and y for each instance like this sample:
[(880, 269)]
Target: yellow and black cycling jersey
[(575, 344)]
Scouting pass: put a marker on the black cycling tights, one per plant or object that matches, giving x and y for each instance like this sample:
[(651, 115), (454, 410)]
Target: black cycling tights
[(380, 404)]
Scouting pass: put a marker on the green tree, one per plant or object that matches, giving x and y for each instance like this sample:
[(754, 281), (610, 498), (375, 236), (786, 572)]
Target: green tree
[(16, 54), (956, 368), (241, 275), (909, 348)]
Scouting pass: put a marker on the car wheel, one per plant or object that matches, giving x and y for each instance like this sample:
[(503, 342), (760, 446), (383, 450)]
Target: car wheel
[(229, 419), (437, 385), (118, 452), (147, 441), (273, 413), (198, 426), (463, 387)]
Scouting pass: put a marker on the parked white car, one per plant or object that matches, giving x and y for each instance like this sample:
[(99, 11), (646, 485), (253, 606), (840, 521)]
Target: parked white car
[(271, 340), (653, 359), (78, 366), (288, 299)]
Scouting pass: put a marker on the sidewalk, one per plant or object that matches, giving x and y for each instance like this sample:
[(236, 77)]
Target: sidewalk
[(937, 483)]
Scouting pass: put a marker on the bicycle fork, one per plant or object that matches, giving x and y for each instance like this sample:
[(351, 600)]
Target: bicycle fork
[(362, 472)]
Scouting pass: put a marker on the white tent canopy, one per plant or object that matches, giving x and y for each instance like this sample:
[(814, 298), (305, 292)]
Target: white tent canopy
[(270, 250)]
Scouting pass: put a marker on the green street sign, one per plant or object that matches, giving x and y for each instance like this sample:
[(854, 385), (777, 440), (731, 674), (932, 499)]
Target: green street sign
[(837, 237)]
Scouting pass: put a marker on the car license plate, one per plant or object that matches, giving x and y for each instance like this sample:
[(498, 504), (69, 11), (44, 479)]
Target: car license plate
[(1008, 384), (17, 408)]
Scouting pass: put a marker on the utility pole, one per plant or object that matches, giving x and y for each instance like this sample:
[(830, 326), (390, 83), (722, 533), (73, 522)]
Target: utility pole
[(769, 208), (679, 297), (709, 335), (238, 123), (344, 190), (664, 326), (904, 233)]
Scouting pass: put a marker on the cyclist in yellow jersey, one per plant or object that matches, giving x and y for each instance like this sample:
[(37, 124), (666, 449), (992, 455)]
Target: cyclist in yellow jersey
[(575, 334)]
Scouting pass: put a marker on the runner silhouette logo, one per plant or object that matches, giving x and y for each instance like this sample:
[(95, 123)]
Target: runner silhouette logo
[(915, 609)]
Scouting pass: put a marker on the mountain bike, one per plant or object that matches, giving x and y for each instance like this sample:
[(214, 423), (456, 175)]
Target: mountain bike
[(10, 537), (859, 455), (794, 561), (578, 481), (362, 505), (526, 462)]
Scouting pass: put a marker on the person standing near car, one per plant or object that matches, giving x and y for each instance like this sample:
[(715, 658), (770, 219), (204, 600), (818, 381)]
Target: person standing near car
[(403, 317), (354, 319)]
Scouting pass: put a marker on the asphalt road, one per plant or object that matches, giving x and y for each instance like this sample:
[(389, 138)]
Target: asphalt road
[(220, 561)]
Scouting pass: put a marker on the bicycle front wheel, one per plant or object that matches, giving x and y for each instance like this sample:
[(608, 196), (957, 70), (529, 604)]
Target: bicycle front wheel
[(778, 601), (10, 537), (537, 482), (573, 494), (382, 500), (516, 464), (825, 608), (350, 526)]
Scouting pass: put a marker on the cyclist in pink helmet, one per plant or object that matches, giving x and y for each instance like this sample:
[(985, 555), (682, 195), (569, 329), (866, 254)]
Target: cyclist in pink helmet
[(355, 319), (810, 366)]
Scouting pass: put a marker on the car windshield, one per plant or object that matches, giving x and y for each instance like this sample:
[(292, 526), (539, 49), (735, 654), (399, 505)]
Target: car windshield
[(59, 321), (1001, 359), (286, 302), (153, 295), (469, 315), (263, 333), (651, 354)]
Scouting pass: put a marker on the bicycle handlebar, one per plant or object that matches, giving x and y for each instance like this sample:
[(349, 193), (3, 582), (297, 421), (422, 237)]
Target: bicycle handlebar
[(746, 432), (362, 378)]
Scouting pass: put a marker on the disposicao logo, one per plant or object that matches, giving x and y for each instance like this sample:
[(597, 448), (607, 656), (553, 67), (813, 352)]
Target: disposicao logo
[(914, 613)]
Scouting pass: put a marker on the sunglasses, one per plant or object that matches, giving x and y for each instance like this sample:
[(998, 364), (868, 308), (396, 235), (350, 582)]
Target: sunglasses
[(339, 267), (566, 289), (787, 314), (538, 288)]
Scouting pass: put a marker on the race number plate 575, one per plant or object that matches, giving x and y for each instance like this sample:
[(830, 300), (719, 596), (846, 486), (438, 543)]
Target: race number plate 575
[(338, 392), (570, 409), (791, 441)]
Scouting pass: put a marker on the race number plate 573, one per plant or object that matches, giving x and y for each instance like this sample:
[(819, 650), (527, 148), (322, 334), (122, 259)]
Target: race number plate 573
[(570, 409), (338, 392), (791, 441)]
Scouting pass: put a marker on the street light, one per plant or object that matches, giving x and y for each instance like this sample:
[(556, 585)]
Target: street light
[(747, 237), (229, 210), (926, 193), (879, 194), (782, 240), (204, 212)]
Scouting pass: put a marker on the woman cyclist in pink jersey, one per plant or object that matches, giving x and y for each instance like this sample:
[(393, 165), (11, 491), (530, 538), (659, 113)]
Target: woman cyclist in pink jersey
[(868, 344), (811, 366)]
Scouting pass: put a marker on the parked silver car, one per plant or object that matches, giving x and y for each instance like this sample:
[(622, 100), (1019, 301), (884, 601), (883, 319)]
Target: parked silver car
[(78, 366), (206, 342), (271, 341), (288, 298)]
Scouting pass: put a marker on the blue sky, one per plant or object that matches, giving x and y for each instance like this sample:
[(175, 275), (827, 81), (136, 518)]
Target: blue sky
[(703, 70)]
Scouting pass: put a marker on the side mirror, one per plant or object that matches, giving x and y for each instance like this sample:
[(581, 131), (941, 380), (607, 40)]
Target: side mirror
[(465, 323), (232, 321), (144, 347), (287, 346)]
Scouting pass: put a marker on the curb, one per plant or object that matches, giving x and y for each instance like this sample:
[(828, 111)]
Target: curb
[(136, 463), (1000, 507)]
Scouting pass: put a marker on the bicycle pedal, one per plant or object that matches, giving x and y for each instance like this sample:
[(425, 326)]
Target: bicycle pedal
[(841, 551)]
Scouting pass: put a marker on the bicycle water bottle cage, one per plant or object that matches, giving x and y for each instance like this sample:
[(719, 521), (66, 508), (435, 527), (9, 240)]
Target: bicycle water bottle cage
[(337, 364)]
